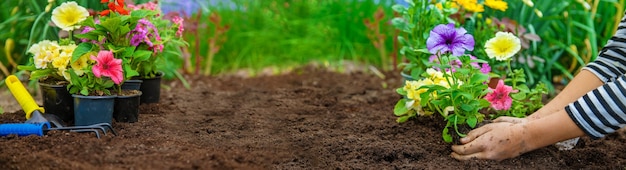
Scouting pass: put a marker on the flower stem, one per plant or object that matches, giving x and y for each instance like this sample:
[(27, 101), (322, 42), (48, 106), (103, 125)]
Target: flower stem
[(513, 75)]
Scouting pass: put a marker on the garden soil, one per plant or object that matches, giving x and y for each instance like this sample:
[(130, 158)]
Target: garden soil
[(306, 119)]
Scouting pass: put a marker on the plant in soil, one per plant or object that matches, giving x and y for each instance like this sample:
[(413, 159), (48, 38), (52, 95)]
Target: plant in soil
[(455, 86)]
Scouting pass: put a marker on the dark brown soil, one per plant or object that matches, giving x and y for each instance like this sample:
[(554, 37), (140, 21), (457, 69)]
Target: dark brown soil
[(308, 119)]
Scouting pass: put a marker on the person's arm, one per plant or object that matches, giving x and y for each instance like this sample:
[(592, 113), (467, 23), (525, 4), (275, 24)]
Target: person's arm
[(504, 140), (608, 66), (582, 83)]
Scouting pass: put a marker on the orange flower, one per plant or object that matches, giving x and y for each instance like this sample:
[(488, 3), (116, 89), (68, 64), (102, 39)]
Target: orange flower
[(115, 6)]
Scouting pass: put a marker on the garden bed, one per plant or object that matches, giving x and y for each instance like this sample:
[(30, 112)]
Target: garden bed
[(308, 119)]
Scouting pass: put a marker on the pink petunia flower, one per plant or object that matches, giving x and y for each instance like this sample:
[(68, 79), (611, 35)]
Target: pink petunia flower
[(499, 97), (109, 66)]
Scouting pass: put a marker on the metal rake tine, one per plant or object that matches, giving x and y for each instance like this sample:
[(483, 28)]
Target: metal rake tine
[(80, 128), (106, 125), (88, 130)]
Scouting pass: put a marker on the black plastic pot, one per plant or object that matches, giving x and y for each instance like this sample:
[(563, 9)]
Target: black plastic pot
[(127, 108), (151, 89), (58, 101), (132, 84), (89, 110)]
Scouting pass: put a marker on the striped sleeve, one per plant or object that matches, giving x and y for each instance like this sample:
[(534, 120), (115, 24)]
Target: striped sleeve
[(611, 62), (601, 111)]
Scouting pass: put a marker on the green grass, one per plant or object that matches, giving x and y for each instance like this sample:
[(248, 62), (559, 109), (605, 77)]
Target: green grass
[(272, 33)]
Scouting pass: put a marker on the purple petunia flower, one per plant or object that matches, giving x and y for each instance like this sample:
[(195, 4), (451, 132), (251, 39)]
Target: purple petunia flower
[(446, 38)]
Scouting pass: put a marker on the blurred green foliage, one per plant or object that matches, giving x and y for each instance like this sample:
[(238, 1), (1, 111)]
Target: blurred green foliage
[(572, 33), (286, 33)]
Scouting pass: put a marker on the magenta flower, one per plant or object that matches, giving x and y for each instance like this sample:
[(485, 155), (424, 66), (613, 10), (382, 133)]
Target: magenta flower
[(109, 66), (179, 22), (446, 38), (485, 69), (144, 32), (499, 97)]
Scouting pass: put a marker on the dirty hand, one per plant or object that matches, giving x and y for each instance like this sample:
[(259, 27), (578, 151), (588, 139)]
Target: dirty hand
[(510, 119), (496, 141)]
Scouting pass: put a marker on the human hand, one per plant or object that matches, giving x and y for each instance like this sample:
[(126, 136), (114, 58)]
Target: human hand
[(514, 120), (496, 141)]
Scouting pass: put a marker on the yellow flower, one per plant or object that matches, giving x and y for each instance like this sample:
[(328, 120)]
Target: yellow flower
[(43, 53), (79, 65), (61, 61), (503, 46), (62, 72), (69, 49), (475, 7), (68, 14), (447, 5), (497, 4), (471, 5)]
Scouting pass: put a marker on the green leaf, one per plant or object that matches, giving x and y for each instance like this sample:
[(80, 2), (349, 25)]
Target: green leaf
[(129, 72), (128, 52), (472, 121), (456, 94), (446, 136), (108, 84), (81, 50), (478, 78), (27, 68), (399, 8), (518, 96), (400, 108), (34, 75), (89, 22), (467, 107), (142, 55), (84, 92), (111, 24), (401, 91), (402, 119)]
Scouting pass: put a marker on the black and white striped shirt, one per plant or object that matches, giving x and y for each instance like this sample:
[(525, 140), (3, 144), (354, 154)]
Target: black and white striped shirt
[(603, 110)]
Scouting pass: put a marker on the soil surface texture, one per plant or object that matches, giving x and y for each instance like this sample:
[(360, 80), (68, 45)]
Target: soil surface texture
[(306, 119)]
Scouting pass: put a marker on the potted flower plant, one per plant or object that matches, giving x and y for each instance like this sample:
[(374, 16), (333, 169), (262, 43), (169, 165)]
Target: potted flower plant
[(139, 36), (51, 60)]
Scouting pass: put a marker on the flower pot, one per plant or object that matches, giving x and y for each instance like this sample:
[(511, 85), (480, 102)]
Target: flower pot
[(127, 107), (132, 85), (90, 110), (58, 101), (151, 89)]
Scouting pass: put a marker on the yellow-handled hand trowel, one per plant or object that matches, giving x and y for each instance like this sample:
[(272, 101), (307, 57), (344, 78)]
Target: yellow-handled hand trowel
[(37, 123)]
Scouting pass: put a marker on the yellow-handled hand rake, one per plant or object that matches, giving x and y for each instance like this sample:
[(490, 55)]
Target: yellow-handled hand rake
[(38, 123)]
